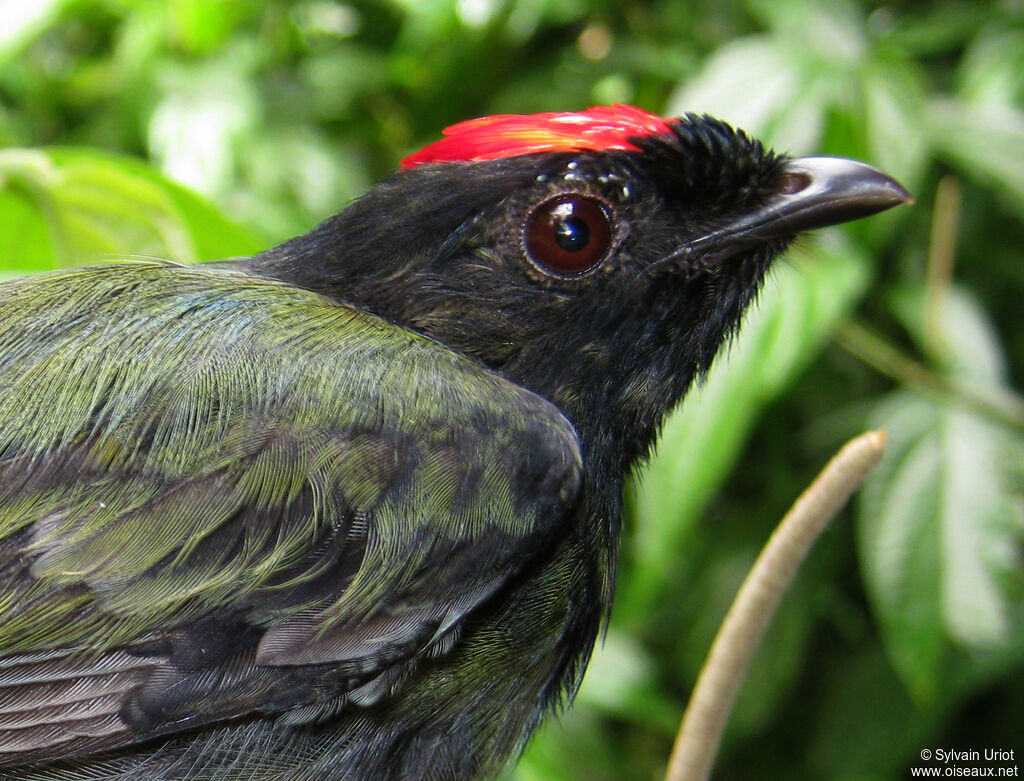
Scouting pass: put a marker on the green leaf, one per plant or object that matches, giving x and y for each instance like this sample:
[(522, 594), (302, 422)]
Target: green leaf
[(201, 26), (203, 113), (942, 520), (25, 242), (749, 83), (894, 100), (622, 680), (22, 21), (829, 35), (67, 207), (992, 68), (984, 141), (701, 440), (966, 346), (864, 726), (900, 544)]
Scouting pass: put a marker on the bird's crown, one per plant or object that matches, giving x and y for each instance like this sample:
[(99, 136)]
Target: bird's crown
[(507, 135)]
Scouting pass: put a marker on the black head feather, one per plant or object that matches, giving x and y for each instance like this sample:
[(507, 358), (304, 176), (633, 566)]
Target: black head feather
[(439, 248)]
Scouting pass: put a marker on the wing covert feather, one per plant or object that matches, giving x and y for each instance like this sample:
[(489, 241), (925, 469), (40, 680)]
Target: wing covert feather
[(186, 445)]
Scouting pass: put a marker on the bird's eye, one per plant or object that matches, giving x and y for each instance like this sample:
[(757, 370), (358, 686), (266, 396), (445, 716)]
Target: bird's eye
[(568, 235)]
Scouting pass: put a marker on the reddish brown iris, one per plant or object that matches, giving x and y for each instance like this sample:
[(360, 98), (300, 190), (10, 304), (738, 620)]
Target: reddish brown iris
[(568, 235)]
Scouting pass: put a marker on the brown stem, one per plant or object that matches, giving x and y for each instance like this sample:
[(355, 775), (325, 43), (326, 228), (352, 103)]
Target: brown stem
[(751, 612)]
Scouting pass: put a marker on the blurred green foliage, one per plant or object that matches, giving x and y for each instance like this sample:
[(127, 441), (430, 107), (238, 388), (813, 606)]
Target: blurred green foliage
[(906, 628)]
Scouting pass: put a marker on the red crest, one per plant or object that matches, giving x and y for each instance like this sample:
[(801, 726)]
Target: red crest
[(507, 135)]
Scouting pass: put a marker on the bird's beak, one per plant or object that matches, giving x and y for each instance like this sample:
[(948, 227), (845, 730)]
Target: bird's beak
[(812, 192), (815, 192)]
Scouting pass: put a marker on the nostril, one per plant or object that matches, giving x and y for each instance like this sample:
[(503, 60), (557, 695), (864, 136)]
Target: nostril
[(792, 182)]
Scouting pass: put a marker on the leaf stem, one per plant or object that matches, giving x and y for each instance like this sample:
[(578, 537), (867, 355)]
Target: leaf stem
[(941, 254), (1003, 406)]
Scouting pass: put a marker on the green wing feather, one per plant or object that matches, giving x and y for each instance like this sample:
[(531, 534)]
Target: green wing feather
[(196, 449)]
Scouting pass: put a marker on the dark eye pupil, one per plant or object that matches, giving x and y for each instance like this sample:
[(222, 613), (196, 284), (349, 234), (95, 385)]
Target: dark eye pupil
[(572, 234), (568, 235)]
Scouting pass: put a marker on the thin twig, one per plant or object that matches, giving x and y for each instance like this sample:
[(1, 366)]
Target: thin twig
[(1001, 405), (755, 604), (941, 254)]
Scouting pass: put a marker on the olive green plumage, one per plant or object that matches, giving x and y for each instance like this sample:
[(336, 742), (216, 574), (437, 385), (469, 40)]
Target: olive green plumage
[(178, 440)]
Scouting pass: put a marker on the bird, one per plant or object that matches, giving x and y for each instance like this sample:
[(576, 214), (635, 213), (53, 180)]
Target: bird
[(350, 508)]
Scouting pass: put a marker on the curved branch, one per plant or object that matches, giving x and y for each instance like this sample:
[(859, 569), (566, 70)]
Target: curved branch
[(755, 604)]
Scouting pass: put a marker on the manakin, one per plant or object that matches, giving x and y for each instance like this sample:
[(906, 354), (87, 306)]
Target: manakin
[(349, 509)]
